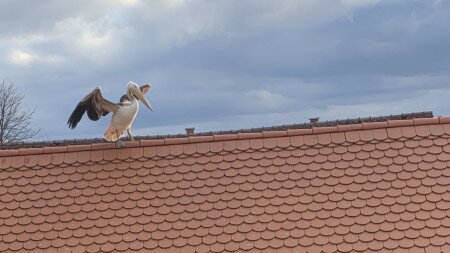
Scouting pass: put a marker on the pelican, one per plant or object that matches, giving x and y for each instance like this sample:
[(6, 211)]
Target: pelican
[(123, 112)]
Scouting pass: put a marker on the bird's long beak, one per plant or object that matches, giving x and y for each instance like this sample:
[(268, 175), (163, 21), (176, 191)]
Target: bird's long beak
[(142, 98)]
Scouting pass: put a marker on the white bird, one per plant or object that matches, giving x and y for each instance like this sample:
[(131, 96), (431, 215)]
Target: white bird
[(123, 112)]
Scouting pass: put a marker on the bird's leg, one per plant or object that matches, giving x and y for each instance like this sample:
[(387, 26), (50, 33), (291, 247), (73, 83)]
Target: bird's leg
[(119, 143), (129, 134)]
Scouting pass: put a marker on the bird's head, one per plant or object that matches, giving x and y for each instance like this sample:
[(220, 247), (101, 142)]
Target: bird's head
[(134, 90)]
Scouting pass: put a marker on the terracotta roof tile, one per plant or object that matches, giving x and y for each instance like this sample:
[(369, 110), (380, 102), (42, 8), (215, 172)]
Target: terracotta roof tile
[(365, 187)]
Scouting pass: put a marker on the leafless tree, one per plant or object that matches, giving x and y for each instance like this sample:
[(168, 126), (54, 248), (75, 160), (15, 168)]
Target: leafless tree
[(15, 122)]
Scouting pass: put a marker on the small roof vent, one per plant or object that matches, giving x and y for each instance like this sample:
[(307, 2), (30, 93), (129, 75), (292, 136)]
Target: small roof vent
[(314, 121), (190, 130)]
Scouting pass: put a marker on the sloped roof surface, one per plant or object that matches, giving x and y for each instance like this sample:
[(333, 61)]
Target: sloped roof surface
[(366, 187)]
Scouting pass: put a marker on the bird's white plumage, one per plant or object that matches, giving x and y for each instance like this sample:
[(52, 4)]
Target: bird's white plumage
[(121, 120)]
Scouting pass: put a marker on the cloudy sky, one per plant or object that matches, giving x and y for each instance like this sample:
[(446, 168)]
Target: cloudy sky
[(227, 64)]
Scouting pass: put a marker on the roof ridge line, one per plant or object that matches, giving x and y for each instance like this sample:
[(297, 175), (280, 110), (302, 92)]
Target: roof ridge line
[(324, 124), (184, 139)]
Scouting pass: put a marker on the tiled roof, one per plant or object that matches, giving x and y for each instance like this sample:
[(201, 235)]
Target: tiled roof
[(370, 187)]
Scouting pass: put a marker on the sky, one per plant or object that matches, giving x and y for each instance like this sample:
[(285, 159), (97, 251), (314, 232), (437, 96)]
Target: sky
[(227, 64)]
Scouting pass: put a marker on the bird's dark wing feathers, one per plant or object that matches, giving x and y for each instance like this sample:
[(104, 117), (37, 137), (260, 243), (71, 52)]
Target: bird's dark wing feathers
[(95, 106), (76, 115)]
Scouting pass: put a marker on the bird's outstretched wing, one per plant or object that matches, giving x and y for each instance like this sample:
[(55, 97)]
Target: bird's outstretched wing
[(95, 105), (144, 88)]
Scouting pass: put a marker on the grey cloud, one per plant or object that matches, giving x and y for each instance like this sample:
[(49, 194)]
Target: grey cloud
[(229, 64)]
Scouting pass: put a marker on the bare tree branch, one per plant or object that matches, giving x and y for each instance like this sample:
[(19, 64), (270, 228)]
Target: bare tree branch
[(14, 121)]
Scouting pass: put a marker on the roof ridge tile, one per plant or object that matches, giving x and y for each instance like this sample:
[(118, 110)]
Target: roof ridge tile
[(30, 151), (320, 130), (271, 134), (9, 152), (155, 142), (444, 119), (75, 148), (52, 150), (177, 140), (196, 139), (399, 123), (243, 136), (347, 128), (425, 121), (294, 132), (132, 144), (102, 146), (375, 125), (224, 137)]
